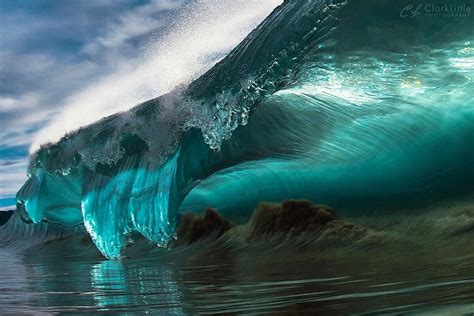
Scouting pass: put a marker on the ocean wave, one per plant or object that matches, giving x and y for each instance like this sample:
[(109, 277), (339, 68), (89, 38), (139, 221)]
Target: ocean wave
[(333, 101)]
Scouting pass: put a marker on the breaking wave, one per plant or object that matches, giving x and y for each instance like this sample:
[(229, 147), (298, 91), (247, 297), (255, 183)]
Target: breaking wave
[(347, 103)]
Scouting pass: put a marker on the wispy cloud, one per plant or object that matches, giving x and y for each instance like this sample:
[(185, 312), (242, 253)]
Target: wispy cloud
[(141, 21), (13, 175)]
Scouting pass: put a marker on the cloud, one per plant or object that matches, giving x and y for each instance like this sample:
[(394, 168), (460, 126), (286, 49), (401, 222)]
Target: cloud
[(135, 23), (13, 175)]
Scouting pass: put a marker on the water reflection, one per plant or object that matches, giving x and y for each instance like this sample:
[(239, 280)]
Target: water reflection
[(110, 285), (143, 285), (213, 278)]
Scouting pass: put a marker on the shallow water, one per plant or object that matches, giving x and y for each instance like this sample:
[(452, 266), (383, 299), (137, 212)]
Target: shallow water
[(222, 276), (218, 281)]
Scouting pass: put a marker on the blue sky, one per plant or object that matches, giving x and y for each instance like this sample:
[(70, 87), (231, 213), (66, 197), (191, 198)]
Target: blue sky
[(64, 64)]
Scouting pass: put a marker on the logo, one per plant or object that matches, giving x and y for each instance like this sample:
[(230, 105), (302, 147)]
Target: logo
[(410, 11), (447, 10)]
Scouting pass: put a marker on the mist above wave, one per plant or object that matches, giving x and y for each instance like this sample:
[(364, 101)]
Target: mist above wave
[(202, 33)]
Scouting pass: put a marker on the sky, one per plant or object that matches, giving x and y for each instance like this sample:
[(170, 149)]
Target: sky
[(66, 64)]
